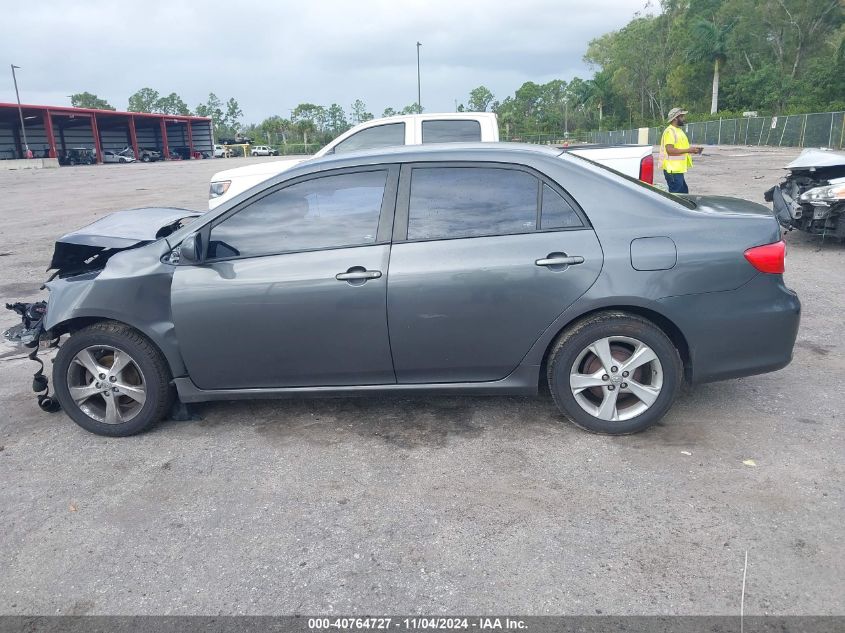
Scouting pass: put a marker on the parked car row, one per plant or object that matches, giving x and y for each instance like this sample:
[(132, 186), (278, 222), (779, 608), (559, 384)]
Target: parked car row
[(77, 156), (88, 156)]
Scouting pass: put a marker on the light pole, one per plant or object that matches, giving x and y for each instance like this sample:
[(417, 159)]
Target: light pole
[(566, 117), (419, 93), (20, 110)]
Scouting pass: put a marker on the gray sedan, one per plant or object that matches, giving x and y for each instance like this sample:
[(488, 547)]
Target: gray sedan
[(472, 269)]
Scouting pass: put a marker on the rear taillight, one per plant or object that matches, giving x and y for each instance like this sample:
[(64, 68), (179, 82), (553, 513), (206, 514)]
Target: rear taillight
[(647, 169), (768, 258)]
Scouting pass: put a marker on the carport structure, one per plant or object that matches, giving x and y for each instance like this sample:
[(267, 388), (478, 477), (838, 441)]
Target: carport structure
[(52, 130)]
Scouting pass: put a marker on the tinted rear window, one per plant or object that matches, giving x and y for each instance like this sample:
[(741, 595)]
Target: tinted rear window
[(388, 135), (448, 202), (451, 131), (557, 212)]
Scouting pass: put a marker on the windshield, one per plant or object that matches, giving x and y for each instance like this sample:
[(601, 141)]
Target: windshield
[(682, 200)]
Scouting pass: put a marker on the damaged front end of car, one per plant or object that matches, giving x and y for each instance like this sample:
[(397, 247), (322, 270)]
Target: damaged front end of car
[(812, 197), (29, 333), (78, 258)]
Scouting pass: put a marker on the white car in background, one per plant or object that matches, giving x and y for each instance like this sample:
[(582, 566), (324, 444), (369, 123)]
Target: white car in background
[(263, 150), (117, 157), (416, 129), (411, 129)]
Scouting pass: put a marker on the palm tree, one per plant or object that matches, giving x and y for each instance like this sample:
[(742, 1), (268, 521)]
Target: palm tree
[(710, 44), (599, 92), (305, 127)]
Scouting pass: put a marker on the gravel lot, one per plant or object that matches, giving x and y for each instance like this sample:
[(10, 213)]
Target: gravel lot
[(440, 505)]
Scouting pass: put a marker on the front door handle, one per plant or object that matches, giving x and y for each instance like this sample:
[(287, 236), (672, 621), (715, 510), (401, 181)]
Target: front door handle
[(555, 259), (358, 273)]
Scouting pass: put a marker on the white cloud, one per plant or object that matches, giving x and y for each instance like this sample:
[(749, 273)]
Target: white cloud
[(273, 55)]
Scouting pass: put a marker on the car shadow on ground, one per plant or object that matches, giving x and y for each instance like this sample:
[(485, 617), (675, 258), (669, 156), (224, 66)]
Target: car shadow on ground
[(400, 421), (437, 422)]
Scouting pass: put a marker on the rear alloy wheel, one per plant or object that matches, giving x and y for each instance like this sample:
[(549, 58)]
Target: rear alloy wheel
[(111, 380), (614, 373)]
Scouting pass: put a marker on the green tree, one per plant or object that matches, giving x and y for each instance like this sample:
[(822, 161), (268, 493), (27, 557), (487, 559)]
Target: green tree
[(308, 120), (273, 130), (553, 105), (507, 115), (308, 112), (358, 112), (88, 100), (171, 104), (213, 108), (710, 44), (233, 115), (413, 108), (389, 112), (637, 58), (144, 100), (336, 119), (305, 128), (480, 99)]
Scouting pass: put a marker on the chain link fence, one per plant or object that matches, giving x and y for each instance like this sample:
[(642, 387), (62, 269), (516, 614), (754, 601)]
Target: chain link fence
[(548, 138), (821, 129), (292, 149)]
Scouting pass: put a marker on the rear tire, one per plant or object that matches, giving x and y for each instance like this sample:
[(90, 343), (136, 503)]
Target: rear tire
[(111, 380), (614, 373)]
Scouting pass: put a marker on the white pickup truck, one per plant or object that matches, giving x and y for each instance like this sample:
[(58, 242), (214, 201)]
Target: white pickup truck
[(415, 129)]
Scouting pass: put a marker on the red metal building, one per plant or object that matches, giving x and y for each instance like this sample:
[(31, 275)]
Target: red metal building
[(52, 130)]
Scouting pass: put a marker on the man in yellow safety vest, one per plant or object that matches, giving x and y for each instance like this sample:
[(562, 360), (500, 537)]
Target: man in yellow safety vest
[(676, 152)]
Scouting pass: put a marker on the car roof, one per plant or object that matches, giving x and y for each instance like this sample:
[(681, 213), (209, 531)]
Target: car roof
[(439, 151)]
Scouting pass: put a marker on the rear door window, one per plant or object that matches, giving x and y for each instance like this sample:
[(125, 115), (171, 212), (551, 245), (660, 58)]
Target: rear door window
[(557, 212), (388, 135), (454, 131), (451, 202)]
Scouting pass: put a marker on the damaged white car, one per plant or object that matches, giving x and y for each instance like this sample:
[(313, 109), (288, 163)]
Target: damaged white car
[(812, 197)]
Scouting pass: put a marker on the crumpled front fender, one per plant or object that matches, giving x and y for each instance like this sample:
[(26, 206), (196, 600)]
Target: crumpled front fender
[(133, 288)]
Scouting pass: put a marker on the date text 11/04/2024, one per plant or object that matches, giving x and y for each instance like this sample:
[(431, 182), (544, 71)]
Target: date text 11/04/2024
[(417, 624)]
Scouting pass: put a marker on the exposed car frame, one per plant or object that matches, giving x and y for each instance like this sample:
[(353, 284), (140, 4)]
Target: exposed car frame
[(811, 198)]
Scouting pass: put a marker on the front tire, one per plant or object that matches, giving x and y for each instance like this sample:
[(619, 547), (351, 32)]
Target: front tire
[(111, 380), (614, 373)]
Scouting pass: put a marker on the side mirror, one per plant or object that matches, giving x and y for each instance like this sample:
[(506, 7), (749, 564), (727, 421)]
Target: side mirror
[(190, 252)]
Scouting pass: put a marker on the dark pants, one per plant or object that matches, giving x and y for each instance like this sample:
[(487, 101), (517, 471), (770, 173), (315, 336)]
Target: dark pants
[(676, 183)]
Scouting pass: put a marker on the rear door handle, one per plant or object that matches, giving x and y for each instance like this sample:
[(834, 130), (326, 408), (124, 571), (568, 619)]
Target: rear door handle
[(560, 260), (358, 274)]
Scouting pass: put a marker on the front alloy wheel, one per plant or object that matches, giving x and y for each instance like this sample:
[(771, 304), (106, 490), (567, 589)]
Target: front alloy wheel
[(111, 380), (106, 384)]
